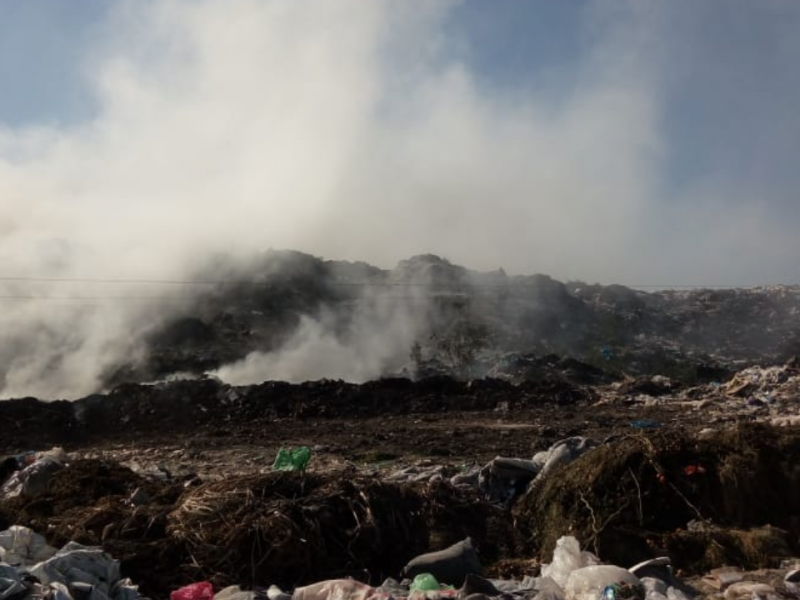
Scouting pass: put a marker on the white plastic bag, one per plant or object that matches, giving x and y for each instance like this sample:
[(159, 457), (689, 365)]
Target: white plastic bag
[(20, 546), (567, 557), (588, 583), (338, 589)]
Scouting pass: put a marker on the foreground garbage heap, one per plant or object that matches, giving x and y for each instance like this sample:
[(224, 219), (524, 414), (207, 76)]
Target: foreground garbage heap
[(724, 498), (30, 569)]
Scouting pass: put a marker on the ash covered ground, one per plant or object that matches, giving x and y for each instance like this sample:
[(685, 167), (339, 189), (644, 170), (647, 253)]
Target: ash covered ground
[(406, 384)]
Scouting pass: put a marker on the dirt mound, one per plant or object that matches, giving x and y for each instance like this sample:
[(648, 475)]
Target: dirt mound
[(291, 529), (646, 496)]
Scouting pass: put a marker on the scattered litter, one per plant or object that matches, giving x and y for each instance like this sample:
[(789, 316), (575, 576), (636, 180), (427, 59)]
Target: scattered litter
[(31, 569), (607, 582), (747, 590), (202, 590), (85, 569), (424, 582), (721, 578), (561, 453), (645, 424), (292, 459), (339, 589), (502, 479), (567, 557), (451, 565), (34, 478), (235, 592), (792, 581), (21, 547), (289, 518)]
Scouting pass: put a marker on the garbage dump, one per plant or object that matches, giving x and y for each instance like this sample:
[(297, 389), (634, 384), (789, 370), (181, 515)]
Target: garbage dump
[(401, 489), (502, 479), (515, 328), (77, 571), (29, 569), (35, 470)]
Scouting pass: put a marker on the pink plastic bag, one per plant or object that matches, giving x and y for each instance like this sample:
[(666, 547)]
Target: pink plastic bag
[(201, 590)]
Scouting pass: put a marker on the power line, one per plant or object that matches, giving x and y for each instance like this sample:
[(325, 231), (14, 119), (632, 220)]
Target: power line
[(254, 282), (94, 298), (106, 281), (189, 299), (247, 282)]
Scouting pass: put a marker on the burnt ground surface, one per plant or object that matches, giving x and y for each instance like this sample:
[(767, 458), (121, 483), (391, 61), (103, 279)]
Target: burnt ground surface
[(202, 452), (438, 417)]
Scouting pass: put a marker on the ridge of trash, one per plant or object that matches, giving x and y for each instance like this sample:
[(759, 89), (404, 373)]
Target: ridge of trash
[(472, 320), (334, 533)]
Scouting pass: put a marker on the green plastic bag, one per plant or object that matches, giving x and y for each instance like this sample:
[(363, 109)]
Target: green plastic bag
[(292, 459), (424, 582)]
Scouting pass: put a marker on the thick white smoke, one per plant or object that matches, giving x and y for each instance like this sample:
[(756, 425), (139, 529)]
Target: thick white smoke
[(377, 342)]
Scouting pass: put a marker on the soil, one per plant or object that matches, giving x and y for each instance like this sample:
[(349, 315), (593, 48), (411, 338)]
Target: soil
[(202, 452)]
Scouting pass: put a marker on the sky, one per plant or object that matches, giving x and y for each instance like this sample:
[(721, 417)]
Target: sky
[(643, 143)]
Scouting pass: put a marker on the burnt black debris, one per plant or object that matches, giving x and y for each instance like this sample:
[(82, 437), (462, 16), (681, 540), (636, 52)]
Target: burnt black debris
[(476, 323), (208, 405)]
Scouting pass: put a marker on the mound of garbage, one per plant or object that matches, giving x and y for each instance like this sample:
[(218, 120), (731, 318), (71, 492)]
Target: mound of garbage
[(281, 527), (469, 324), (36, 570), (729, 497), (721, 500)]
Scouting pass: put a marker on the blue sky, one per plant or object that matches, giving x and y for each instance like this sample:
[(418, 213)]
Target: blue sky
[(42, 46), (716, 87)]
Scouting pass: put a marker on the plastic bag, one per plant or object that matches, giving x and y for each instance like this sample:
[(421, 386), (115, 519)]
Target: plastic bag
[(424, 582), (33, 479), (606, 582), (292, 459), (76, 564), (202, 590), (21, 546), (338, 589), (567, 557), (451, 565)]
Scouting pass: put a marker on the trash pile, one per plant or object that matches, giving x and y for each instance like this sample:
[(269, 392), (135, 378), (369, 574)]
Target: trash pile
[(285, 526), (707, 503), (502, 479), (30, 569), (473, 319), (725, 498), (29, 473), (755, 393)]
